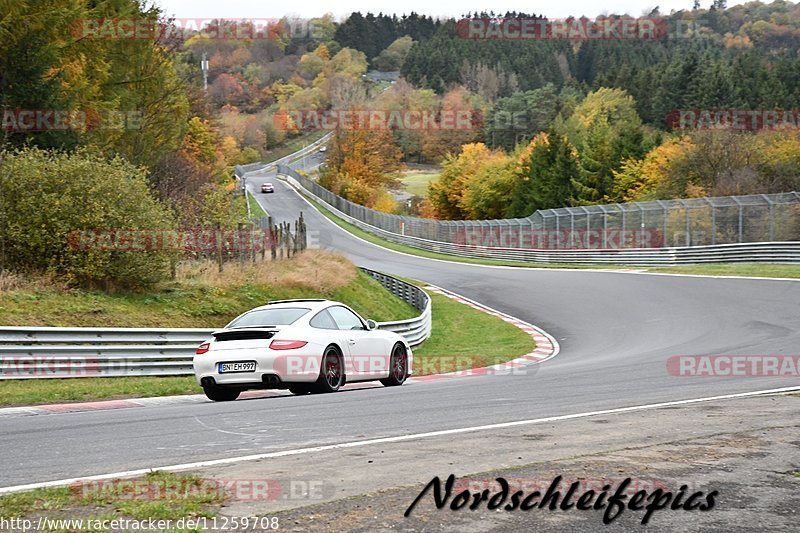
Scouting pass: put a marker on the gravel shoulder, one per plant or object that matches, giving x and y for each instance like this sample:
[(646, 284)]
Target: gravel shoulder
[(746, 449)]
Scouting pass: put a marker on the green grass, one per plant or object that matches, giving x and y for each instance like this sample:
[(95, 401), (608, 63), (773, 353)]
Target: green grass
[(158, 495), (729, 269), (183, 304), (759, 270), (369, 237), (256, 211), (416, 182), (187, 303), (202, 299), (21, 503), (463, 337), (47, 391)]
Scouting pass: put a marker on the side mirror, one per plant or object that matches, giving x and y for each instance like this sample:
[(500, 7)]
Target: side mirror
[(371, 324)]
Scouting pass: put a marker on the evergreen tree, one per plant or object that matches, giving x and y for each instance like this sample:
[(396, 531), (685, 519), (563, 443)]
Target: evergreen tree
[(546, 178)]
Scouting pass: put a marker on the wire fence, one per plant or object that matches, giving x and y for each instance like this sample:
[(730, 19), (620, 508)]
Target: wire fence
[(658, 224)]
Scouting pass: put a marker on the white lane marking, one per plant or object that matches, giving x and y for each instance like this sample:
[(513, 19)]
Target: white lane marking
[(197, 419), (545, 269), (385, 440)]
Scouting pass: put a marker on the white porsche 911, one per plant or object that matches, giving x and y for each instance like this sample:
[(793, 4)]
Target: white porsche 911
[(306, 346)]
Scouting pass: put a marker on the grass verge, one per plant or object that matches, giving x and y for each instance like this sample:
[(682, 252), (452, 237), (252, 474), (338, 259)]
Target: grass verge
[(416, 181), (758, 270), (463, 338), (762, 270), (17, 392), (369, 237), (158, 495), (256, 211), (203, 298)]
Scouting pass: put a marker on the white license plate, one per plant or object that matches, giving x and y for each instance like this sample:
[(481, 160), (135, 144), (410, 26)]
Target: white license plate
[(237, 366)]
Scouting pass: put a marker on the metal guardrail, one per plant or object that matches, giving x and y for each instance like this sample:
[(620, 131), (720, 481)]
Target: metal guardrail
[(242, 170), (659, 224), (753, 252), (47, 352), (414, 330)]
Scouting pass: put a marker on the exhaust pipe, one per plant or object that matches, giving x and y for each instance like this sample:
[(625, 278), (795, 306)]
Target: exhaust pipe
[(271, 380)]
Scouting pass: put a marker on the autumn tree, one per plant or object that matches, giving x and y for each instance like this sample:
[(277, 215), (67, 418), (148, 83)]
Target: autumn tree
[(476, 183), (545, 179), (452, 132), (394, 55), (361, 165), (605, 129)]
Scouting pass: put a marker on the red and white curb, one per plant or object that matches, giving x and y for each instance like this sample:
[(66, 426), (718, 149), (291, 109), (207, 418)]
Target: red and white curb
[(546, 346), (105, 405)]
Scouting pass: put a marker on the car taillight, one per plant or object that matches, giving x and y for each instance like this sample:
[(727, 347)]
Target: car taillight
[(286, 345), (203, 348)]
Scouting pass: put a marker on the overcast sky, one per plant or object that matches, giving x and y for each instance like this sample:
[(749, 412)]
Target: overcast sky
[(453, 8)]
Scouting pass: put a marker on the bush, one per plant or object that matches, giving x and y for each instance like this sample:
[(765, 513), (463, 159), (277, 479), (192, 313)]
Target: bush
[(47, 198)]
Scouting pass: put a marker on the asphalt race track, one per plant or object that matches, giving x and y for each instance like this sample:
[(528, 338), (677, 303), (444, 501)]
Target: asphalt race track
[(616, 332)]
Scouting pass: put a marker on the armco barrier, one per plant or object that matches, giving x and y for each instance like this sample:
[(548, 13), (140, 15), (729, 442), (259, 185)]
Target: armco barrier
[(414, 330), (754, 252), (47, 352), (243, 170)]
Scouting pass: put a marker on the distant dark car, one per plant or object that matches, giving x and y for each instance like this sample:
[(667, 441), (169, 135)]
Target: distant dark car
[(267, 187)]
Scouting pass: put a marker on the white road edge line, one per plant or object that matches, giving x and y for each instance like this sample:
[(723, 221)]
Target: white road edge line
[(386, 440), (633, 270)]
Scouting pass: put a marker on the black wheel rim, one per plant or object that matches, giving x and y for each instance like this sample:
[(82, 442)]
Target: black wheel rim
[(398, 365), (333, 370)]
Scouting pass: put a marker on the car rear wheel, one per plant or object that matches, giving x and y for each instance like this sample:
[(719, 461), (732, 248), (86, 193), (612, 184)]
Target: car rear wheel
[(221, 394), (331, 372), (398, 367)]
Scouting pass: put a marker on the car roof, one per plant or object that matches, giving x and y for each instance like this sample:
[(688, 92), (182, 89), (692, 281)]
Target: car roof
[(311, 303)]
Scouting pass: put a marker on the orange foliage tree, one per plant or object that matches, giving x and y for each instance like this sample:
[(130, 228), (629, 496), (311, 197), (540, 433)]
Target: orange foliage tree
[(361, 165)]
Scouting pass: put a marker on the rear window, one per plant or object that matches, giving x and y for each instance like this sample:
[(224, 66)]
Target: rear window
[(323, 320), (279, 316)]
